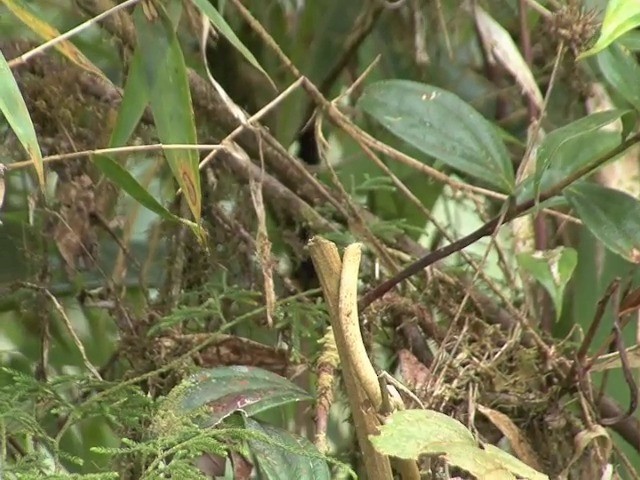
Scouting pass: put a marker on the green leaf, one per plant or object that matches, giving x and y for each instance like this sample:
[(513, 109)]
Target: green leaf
[(620, 17), (513, 464), (611, 215), (289, 456), (554, 141), (553, 269), (363, 178), (630, 40), (223, 28), (134, 101), (15, 111), (583, 126), (621, 70), (392, 205), (572, 155), (410, 433), (118, 175), (442, 125), (226, 390), (166, 76)]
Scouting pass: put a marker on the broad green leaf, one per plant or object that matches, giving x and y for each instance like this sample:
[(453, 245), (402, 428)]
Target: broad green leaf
[(621, 70), (443, 126), (411, 433), (620, 17), (15, 111), (553, 269), (223, 28), (611, 215), (166, 77), (134, 100), (554, 141), (42, 29), (226, 390), (289, 456), (119, 176)]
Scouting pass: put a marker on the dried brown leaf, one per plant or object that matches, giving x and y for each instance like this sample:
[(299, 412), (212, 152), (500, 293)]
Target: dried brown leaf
[(597, 433), (521, 446), (415, 373), (263, 247)]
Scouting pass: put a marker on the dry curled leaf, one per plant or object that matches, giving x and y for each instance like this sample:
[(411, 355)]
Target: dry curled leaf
[(596, 435), (503, 50), (521, 446), (415, 374), (631, 302)]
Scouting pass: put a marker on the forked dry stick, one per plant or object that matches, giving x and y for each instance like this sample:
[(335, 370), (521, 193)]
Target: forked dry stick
[(328, 265), (339, 281)]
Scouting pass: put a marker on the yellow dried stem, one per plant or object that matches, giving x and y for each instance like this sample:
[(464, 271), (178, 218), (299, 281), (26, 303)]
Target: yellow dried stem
[(328, 265), (348, 317)]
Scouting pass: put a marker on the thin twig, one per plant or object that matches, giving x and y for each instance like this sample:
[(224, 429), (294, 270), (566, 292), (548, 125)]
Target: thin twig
[(74, 31), (67, 323), (252, 119), (115, 151)]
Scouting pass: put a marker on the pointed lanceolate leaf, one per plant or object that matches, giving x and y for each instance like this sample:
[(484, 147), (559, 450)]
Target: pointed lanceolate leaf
[(620, 17), (550, 152), (572, 155), (443, 126), (123, 179), (134, 101), (226, 390), (553, 269), (611, 215), (166, 76), (14, 109), (289, 456), (225, 30)]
